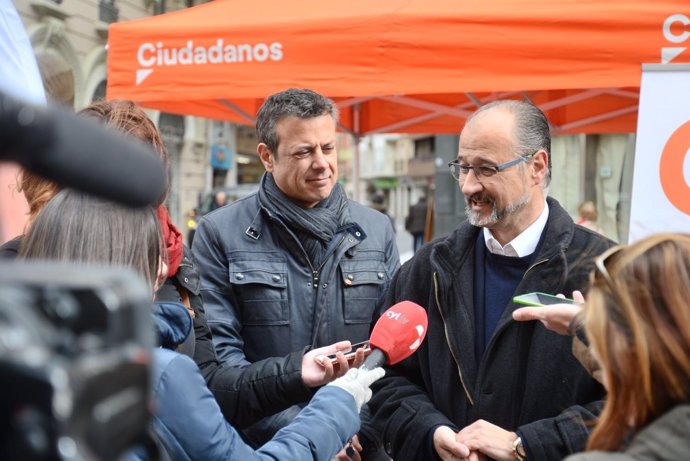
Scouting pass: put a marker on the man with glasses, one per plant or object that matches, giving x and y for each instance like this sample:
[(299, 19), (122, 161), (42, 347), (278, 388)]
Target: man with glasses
[(481, 382)]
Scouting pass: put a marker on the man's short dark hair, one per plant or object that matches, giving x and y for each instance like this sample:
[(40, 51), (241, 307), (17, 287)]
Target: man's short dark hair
[(294, 102), (532, 130)]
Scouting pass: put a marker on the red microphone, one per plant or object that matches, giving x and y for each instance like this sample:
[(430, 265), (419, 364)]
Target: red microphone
[(397, 334)]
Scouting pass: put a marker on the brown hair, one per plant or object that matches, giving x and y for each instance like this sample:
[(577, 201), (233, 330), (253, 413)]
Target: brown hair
[(79, 228), (37, 190), (128, 118), (124, 116), (639, 327)]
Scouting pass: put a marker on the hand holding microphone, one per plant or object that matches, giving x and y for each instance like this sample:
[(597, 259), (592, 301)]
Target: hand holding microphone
[(397, 334), (357, 381)]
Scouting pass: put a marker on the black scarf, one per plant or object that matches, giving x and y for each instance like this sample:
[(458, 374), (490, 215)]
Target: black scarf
[(314, 227)]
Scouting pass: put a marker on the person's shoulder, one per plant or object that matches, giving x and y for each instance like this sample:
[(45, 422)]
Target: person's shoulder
[(170, 363), (363, 214), (10, 249), (247, 205), (591, 237)]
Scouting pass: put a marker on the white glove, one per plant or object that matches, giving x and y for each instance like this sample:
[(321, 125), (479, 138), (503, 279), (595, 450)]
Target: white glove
[(356, 382)]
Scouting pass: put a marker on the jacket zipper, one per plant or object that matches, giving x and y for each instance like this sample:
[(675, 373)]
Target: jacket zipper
[(450, 347), (315, 272), (542, 261)]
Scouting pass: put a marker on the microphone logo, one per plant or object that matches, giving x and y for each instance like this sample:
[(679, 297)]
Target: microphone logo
[(397, 316), (418, 342), (397, 334)]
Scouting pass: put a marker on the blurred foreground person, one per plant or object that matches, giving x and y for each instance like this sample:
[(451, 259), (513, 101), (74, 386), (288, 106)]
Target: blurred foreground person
[(187, 419), (37, 191), (282, 383), (637, 322)]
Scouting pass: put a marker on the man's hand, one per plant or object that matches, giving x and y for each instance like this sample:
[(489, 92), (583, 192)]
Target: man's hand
[(351, 452), (317, 370), (488, 439), (447, 446), (556, 317)]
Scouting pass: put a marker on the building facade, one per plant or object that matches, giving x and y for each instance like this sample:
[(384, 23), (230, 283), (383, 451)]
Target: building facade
[(69, 38)]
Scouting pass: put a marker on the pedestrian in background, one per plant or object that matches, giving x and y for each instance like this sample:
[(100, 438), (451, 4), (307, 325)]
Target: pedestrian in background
[(587, 216), (415, 223), (378, 203), (220, 199)]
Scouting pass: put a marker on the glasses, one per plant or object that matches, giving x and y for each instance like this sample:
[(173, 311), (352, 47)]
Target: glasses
[(460, 172)]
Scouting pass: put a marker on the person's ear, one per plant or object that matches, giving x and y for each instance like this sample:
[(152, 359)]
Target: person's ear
[(266, 156), (540, 166)]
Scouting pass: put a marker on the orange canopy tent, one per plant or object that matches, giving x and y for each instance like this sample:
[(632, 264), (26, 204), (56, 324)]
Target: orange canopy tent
[(405, 66)]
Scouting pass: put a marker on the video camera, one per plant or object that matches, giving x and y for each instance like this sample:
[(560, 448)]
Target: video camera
[(75, 342), (75, 347)]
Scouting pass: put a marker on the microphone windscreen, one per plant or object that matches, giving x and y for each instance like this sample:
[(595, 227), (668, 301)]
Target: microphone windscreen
[(80, 153), (399, 331)]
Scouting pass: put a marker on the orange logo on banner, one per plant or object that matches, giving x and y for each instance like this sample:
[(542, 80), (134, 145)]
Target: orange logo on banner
[(671, 168), (676, 30)]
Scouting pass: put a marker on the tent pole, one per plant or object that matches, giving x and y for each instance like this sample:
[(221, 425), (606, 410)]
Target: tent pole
[(355, 152)]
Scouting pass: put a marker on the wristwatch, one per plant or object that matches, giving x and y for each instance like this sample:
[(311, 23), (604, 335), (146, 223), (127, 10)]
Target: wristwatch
[(519, 450)]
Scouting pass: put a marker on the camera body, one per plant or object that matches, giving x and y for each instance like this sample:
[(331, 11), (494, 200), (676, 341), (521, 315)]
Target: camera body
[(75, 353)]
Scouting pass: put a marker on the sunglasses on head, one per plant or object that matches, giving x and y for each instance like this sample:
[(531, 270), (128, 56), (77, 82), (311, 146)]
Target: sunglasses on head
[(600, 266)]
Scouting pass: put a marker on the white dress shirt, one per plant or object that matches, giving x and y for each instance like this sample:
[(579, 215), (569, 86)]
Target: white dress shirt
[(522, 245)]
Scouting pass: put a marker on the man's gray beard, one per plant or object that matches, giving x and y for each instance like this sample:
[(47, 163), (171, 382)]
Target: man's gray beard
[(496, 215)]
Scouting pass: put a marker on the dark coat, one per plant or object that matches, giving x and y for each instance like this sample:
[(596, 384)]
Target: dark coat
[(10, 249), (245, 395), (665, 439), (415, 223), (266, 302), (264, 299), (527, 379)]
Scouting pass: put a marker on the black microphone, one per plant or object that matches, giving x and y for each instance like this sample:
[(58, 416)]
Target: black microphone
[(79, 153)]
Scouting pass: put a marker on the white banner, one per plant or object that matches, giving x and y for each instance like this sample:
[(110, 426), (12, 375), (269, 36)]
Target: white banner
[(660, 192)]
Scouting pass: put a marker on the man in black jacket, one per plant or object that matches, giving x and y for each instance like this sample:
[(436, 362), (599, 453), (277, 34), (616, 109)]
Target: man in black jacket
[(481, 382)]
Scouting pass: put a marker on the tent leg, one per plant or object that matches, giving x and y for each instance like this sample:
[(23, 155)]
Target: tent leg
[(355, 153), (355, 168)]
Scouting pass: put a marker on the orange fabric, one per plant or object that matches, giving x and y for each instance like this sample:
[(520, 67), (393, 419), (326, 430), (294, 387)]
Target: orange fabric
[(579, 59)]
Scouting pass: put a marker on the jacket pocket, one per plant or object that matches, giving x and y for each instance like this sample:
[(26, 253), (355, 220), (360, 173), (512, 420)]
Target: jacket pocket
[(260, 282), (362, 283)]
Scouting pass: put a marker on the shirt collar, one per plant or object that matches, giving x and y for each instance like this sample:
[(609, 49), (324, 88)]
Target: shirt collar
[(522, 245)]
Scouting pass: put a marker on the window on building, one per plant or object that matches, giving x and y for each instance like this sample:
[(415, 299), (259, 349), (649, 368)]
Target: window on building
[(424, 148)]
